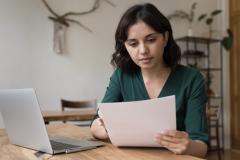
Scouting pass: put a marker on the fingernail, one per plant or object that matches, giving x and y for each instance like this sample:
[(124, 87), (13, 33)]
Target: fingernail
[(159, 135), (156, 140)]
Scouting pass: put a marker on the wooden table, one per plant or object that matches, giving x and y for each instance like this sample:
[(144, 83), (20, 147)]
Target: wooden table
[(80, 115), (107, 152)]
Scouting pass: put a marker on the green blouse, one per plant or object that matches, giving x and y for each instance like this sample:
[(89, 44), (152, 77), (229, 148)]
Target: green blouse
[(186, 83)]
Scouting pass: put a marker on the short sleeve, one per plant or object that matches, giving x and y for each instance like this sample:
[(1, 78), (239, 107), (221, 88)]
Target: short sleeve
[(195, 120), (113, 92)]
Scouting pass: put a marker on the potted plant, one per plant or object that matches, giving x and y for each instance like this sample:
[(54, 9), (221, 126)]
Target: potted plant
[(227, 41), (209, 19), (189, 16)]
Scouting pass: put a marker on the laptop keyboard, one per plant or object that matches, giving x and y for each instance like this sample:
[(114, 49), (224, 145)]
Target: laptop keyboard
[(60, 146)]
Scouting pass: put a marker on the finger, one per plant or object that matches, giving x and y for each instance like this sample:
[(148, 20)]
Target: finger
[(177, 134), (178, 148), (177, 151), (169, 145), (171, 139)]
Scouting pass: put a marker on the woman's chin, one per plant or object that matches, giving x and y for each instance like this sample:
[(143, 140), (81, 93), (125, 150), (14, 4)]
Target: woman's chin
[(146, 66)]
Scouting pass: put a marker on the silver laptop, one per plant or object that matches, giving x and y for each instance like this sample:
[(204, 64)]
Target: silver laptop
[(25, 125)]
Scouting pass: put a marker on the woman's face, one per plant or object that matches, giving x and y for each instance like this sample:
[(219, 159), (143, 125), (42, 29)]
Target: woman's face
[(146, 46)]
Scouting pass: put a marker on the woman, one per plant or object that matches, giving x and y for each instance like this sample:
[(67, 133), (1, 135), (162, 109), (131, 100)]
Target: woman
[(147, 66)]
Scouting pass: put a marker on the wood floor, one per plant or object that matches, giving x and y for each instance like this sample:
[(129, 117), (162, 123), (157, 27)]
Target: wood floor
[(227, 155)]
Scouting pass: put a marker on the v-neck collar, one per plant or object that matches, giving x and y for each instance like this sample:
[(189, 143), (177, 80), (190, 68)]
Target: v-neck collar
[(145, 89)]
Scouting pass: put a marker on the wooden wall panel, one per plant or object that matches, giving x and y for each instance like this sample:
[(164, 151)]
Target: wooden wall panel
[(235, 73)]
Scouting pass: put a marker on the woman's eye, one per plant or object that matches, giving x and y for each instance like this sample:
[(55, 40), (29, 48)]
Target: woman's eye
[(151, 39), (132, 44)]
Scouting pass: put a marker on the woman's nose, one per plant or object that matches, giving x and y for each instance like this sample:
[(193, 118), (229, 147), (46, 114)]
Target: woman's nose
[(143, 49)]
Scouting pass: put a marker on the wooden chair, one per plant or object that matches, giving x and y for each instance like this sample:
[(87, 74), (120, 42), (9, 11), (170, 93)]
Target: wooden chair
[(213, 113), (82, 104)]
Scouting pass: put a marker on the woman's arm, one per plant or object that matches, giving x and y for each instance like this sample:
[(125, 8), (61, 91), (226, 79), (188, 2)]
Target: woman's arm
[(98, 130), (113, 94), (197, 148)]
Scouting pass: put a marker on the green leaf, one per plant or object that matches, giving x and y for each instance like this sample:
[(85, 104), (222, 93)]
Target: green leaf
[(227, 41), (230, 34), (216, 12), (194, 5), (209, 21), (202, 16)]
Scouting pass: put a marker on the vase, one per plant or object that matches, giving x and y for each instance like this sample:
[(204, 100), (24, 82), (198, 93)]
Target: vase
[(190, 32)]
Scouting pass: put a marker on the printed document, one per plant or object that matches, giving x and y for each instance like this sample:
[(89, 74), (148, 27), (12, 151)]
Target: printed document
[(137, 123)]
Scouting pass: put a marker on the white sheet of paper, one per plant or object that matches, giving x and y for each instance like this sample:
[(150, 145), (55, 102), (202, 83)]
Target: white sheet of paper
[(137, 123)]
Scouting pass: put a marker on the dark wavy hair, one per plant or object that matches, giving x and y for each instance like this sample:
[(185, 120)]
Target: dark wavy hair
[(150, 15)]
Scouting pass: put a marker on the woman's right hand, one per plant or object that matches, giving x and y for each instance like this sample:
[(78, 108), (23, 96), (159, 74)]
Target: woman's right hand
[(98, 129)]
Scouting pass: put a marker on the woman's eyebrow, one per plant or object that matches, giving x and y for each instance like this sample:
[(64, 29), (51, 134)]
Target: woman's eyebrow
[(130, 40), (149, 35), (152, 34)]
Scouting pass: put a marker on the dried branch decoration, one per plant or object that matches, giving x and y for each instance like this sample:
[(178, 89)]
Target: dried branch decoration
[(61, 22), (63, 19)]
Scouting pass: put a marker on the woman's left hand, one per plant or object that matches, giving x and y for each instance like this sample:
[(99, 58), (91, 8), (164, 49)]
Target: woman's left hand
[(176, 141)]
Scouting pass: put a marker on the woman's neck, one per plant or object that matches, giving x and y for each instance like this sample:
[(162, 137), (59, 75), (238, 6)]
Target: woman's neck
[(155, 73)]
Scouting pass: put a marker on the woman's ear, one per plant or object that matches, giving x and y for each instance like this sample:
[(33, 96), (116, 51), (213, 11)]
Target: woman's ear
[(166, 35)]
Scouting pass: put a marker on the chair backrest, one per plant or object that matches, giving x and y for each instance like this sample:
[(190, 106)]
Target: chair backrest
[(78, 104)]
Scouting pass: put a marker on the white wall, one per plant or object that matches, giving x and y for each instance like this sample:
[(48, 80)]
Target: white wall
[(27, 58)]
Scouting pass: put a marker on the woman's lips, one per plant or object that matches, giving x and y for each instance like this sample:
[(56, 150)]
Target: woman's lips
[(145, 60)]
